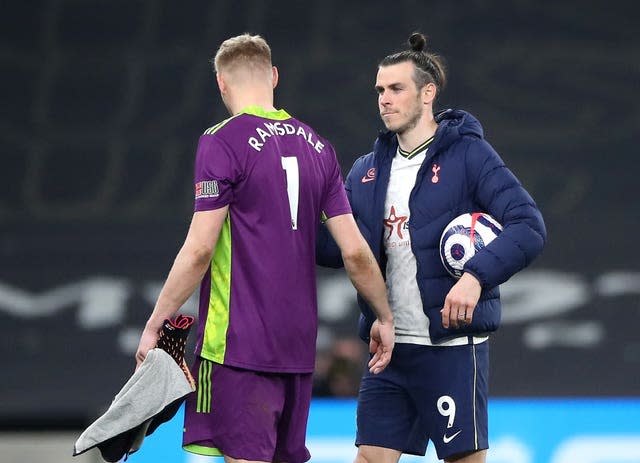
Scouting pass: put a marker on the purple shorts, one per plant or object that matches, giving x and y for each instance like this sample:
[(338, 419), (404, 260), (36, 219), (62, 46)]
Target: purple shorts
[(247, 415)]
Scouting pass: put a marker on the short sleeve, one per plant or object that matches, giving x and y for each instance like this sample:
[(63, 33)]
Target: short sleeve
[(216, 173), (335, 200)]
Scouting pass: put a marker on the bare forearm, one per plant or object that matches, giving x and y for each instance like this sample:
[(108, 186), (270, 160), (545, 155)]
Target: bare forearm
[(190, 265), (364, 272), (185, 275), (361, 265)]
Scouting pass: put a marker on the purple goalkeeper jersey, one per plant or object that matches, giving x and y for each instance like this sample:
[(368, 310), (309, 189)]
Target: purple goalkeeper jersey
[(258, 307)]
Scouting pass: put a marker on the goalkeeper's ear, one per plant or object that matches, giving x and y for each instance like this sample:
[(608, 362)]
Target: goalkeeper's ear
[(222, 84)]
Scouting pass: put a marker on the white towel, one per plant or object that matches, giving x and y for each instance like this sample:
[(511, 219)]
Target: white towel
[(157, 384)]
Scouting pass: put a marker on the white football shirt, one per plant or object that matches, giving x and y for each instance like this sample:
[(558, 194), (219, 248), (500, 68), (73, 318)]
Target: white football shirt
[(411, 323)]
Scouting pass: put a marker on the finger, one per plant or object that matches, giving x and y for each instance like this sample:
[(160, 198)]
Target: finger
[(453, 317), (381, 364), (462, 315), (469, 315), (446, 310), (458, 316), (140, 356), (374, 359), (373, 345)]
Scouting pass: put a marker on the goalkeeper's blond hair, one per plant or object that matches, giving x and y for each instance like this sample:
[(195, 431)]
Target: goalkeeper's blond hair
[(244, 50)]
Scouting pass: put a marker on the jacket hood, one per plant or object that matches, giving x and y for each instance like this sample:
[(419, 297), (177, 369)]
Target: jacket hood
[(456, 123), (453, 124)]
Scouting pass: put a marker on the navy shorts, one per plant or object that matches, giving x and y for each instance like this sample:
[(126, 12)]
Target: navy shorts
[(427, 393), (247, 415)]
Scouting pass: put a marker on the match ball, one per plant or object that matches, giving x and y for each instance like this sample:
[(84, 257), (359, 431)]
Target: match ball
[(463, 237)]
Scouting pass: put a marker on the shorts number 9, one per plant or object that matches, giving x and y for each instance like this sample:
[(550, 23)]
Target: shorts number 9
[(447, 407)]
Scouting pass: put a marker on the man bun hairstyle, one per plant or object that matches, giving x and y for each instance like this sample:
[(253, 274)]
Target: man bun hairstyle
[(430, 67), (417, 41)]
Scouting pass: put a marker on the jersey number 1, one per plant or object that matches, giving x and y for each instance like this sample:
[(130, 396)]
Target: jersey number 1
[(290, 166)]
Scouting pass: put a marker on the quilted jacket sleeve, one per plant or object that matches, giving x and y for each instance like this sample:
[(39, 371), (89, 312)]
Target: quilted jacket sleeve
[(499, 192)]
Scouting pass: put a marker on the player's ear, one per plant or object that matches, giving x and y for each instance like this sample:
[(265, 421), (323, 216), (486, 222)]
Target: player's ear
[(222, 85), (429, 93), (274, 71)]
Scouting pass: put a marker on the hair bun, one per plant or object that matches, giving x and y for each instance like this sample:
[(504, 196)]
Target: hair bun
[(417, 41)]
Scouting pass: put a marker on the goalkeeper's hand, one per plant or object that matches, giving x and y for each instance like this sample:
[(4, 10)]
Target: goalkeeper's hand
[(148, 341)]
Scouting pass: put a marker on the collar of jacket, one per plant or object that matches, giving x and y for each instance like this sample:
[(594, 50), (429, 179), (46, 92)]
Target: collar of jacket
[(452, 125), (386, 144)]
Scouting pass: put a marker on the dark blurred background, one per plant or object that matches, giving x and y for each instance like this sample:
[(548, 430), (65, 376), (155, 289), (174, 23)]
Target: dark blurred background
[(102, 106)]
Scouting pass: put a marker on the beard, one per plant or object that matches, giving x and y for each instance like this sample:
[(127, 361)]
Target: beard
[(413, 117)]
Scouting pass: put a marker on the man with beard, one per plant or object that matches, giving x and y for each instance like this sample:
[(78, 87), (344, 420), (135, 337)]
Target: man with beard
[(425, 171)]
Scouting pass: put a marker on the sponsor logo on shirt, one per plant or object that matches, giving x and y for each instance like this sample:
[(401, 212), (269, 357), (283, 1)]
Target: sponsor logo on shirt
[(396, 222), (207, 189)]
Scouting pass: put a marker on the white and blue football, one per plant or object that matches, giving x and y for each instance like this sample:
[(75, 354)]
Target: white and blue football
[(464, 237)]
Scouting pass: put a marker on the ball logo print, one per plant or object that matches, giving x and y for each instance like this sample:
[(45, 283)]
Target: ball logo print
[(463, 237)]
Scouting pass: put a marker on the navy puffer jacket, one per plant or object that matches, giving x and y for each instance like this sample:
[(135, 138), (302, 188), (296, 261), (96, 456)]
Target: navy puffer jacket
[(471, 178)]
